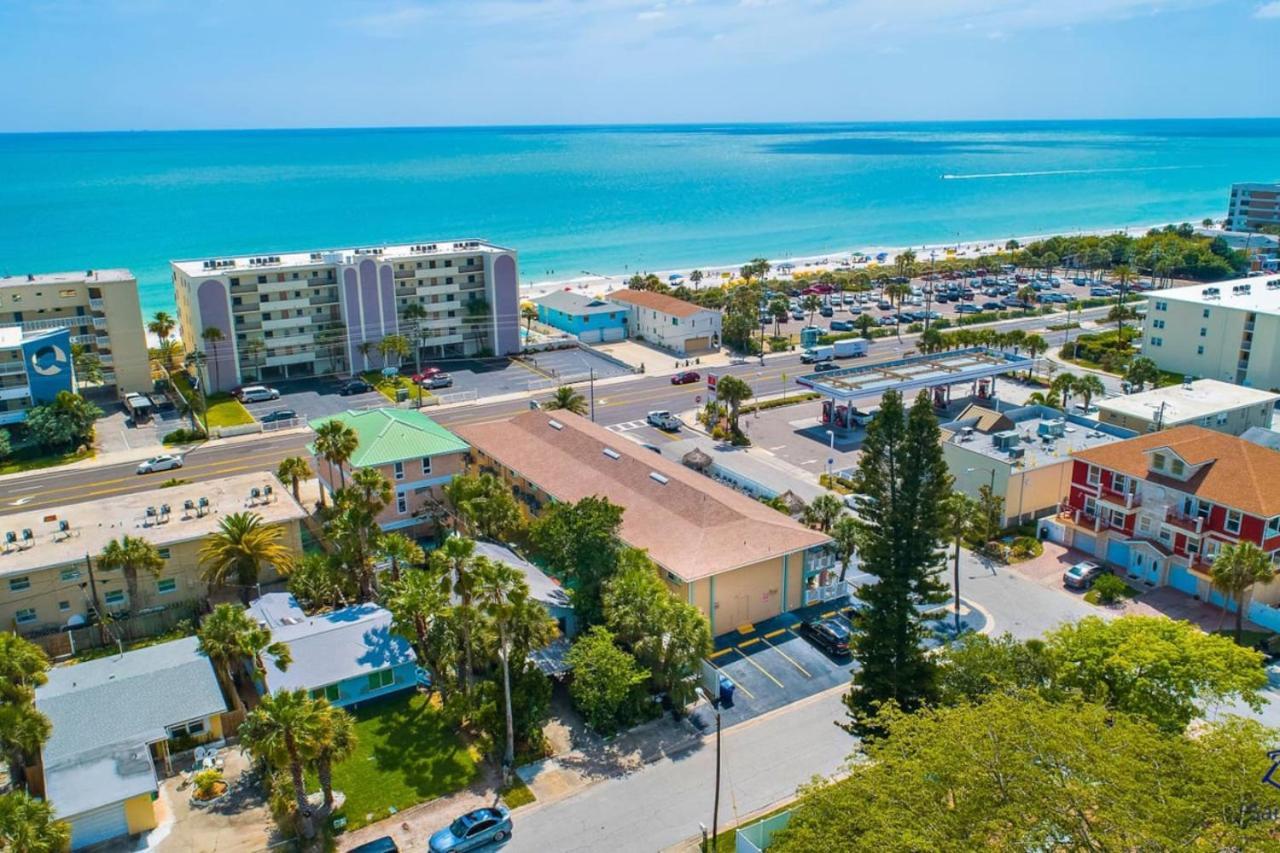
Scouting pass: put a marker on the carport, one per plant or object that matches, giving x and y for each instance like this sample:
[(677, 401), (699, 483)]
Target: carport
[(975, 366)]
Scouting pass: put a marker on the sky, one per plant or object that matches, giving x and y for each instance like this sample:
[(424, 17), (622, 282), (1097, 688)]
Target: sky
[(177, 64)]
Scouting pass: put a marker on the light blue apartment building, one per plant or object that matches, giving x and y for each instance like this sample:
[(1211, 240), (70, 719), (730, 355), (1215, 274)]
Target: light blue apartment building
[(591, 319)]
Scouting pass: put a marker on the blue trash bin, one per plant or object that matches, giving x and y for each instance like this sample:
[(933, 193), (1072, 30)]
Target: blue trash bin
[(726, 691)]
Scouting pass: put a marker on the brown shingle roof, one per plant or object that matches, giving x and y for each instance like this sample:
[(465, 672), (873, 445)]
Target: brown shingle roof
[(657, 301), (691, 525), (1235, 473)]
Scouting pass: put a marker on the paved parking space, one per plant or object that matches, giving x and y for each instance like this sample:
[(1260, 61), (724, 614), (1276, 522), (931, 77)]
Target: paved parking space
[(313, 399), (577, 362), (793, 434)]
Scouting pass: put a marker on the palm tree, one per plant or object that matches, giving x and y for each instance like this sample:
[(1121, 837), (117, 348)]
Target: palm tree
[(779, 310), (227, 637), (400, 549), (132, 554), (844, 541), (1238, 568), (252, 349), (415, 313), (961, 513), (162, 325), (28, 825), (364, 349), (1027, 295), (242, 545), (319, 580), (335, 442), (567, 399), (732, 391), (1034, 345), (696, 277), (335, 743), (811, 304), (454, 566), (23, 729), (1062, 387), (87, 366), (823, 512), (373, 488), (529, 313), (285, 731), (416, 601), (1088, 386), (394, 346), (212, 336), (293, 470), (503, 596), (1123, 275)]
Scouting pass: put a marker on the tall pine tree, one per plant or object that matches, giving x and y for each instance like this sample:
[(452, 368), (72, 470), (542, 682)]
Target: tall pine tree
[(904, 477)]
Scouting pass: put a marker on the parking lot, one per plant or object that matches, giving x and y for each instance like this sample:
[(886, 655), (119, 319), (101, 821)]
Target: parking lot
[(312, 398), (574, 363)]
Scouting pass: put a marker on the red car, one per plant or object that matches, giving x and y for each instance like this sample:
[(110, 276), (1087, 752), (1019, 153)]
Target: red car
[(687, 377), (426, 375)]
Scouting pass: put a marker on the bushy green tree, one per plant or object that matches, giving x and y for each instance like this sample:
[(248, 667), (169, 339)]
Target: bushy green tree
[(65, 422), (483, 506), (580, 543), (903, 527), (27, 825), (608, 684), (23, 728)]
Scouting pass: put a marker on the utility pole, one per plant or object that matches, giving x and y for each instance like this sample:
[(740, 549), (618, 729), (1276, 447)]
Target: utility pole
[(592, 384)]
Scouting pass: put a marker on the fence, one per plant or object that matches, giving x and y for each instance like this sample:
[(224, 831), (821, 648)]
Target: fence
[(65, 643), (238, 429), (452, 397), (759, 835)]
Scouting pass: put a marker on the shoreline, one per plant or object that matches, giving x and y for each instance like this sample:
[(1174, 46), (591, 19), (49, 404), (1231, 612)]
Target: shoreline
[(605, 282)]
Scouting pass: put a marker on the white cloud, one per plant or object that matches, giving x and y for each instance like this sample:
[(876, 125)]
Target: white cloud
[(395, 22), (1268, 10)]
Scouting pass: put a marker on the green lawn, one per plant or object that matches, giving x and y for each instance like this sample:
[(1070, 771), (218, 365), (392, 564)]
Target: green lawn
[(227, 411), (517, 794), (408, 753), (34, 458), (387, 386)]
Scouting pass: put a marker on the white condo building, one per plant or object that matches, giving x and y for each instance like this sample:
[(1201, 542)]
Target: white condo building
[(1253, 206), (1228, 331), (317, 313)]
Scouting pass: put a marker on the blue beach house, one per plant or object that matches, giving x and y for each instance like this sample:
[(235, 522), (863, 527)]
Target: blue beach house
[(348, 656), (592, 320)]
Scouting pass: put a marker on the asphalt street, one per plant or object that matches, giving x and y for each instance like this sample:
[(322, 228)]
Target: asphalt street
[(614, 403)]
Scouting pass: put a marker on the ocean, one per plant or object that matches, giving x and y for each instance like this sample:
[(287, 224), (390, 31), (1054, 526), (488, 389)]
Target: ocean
[(604, 200)]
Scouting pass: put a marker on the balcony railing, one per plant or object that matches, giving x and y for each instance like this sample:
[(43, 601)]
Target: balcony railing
[(99, 323), (1128, 500), (97, 305), (55, 323)]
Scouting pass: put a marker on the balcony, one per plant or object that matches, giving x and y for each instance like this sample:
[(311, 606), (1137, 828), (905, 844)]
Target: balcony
[(12, 368), (102, 342), (1122, 500), (1189, 523), (106, 359), (58, 323), (17, 392), (97, 305), (100, 323), (287, 322)]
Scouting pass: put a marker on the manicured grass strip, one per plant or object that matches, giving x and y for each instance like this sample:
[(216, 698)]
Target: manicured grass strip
[(227, 411), (517, 794), (34, 458)]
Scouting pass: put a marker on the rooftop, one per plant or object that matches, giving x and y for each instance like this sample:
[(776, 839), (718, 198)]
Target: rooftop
[(11, 337), (388, 435), (1187, 402), (104, 712), (542, 588), (1262, 436), (1260, 294), (1028, 437), (92, 524), (77, 277), (570, 302), (915, 372), (691, 525), (329, 647), (660, 302), (235, 264), (760, 472), (1233, 471)]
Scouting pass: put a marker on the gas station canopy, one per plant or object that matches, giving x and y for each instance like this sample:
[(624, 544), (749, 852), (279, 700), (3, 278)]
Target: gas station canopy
[(916, 372)]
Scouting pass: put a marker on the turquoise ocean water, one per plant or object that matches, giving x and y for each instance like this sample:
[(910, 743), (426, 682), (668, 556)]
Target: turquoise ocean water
[(604, 199)]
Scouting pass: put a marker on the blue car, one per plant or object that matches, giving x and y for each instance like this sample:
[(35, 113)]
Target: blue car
[(473, 831)]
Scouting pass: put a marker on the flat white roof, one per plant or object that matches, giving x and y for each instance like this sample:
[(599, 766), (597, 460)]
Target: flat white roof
[(236, 264), (95, 523), (77, 277), (1187, 402), (1260, 294)]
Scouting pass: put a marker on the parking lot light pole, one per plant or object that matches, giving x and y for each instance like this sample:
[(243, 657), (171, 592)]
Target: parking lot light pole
[(715, 814)]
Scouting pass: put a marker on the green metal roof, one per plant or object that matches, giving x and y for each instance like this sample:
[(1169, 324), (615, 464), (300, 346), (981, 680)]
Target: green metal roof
[(390, 435)]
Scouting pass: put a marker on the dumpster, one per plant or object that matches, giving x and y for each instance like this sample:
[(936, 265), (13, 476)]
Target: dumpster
[(726, 691)]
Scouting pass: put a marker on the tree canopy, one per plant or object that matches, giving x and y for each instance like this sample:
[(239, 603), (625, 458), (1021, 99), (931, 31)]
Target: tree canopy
[(580, 542)]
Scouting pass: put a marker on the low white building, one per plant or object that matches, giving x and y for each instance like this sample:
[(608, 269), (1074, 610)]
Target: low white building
[(670, 323), (1209, 403)]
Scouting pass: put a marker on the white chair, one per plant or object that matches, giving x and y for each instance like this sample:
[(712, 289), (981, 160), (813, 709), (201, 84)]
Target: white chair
[(200, 753)]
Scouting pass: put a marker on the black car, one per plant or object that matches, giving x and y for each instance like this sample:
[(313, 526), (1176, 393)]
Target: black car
[(992, 306), (830, 635), (355, 386), (279, 415), (824, 366)]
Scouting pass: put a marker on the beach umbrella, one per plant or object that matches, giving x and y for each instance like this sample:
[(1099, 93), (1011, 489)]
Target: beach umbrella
[(675, 276)]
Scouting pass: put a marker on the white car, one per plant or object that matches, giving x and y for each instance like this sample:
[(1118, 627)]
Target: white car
[(663, 420), (164, 462)]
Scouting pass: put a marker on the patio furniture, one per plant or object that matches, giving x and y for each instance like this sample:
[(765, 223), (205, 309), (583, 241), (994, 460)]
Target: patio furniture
[(199, 754)]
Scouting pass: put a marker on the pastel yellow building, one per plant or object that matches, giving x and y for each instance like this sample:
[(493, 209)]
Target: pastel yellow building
[(51, 575), (736, 559)]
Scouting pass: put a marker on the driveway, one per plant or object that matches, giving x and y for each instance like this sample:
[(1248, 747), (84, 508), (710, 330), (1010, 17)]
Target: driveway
[(239, 821)]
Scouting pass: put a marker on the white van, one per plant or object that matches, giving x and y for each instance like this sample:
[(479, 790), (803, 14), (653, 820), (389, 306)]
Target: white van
[(258, 394)]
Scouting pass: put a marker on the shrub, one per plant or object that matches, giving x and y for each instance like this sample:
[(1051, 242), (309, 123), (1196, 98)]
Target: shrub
[(790, 400), (1025, 547), (779, 343), (207, 782), (1110, 588), (608, 684), (182, 436)]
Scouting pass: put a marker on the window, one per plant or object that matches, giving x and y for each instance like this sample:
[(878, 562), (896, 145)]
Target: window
[(64, 606), (25, 615), (402, 503), (1121, 484), (1205, 313), (399, 470), (332, 693), (163, 552), (164, 586), (1177, 468), (67, 293), (1200, 350), (1193, 545), (16, 584), (1090, 505), (1273, 526), (1094, 476), (1162, 306), (1157, 461), (1204, 332), (426, 465), (191, 729), (1222, 418), (382, 678), (1157, 342), (1234, 517), (115, 596)]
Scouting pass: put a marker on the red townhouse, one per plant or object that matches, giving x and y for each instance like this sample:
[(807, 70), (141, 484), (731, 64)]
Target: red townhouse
[(1160, 508)]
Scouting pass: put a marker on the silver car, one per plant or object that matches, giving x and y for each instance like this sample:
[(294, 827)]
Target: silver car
[(163, 462), (1081, 575)]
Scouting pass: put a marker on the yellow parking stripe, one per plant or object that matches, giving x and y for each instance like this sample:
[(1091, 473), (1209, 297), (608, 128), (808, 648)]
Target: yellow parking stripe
[(772, 634), (793, 627), (766, 672), (732, 679), (828, 614), (750, 642), (789, 658), (715, 655)]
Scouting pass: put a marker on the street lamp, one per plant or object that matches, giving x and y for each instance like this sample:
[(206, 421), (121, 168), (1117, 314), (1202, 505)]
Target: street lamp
[(831, 457), (715, 814)]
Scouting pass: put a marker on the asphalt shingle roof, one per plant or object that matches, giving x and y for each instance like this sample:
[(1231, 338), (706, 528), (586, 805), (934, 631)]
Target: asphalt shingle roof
[(575, 303), (390, 435)]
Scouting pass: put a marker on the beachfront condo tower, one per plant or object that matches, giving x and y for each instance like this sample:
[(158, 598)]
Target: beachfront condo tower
[(100, 312), (325, 312), (1253, 206)]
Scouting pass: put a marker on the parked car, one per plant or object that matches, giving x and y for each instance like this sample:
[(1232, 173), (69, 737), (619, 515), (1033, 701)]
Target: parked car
[(385, 844), (440, 380), (967, 309), (830, 635), (841, 326), (826, 311), (992, 306), (355, 386), (663, 419), (258, 394), (425, 375), (163, 462), (1081, 575), (685, 377), (279, 415), (797, 314), (472, 831)]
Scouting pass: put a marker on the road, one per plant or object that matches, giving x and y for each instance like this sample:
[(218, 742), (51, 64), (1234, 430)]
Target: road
[(614, 403)]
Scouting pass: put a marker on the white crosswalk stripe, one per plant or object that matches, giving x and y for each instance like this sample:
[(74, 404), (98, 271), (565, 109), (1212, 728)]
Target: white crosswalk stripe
[(625, 426)]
